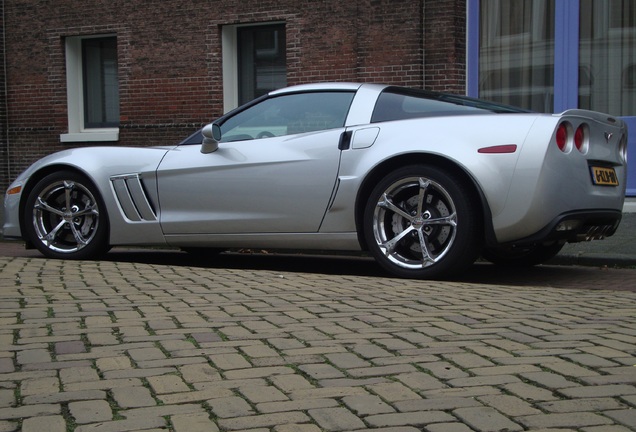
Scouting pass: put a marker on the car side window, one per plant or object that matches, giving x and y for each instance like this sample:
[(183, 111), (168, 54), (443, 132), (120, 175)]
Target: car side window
[(401, 104), (289, 114), (397, 106)]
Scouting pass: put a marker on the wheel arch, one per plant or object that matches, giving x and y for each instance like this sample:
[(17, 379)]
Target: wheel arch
[(391, 164), (39, 175)]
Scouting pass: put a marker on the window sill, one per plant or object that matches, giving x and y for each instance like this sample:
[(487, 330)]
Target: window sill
[(100, 136)]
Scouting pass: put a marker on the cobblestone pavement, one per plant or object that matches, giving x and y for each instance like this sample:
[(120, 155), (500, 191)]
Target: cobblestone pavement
[(119, 346)]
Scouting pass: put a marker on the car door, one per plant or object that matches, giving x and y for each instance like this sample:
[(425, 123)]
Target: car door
[(274, 170)]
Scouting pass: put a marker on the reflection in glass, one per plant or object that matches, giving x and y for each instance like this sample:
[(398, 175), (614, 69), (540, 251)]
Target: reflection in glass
[(517, 53), (607, 54)]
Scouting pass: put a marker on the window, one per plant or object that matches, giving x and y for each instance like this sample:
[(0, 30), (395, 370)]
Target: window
[(254, 62), (401, 104), (92, 89), (289, 114), (516, 53), (607, 48), (261, 61), (101, 87)]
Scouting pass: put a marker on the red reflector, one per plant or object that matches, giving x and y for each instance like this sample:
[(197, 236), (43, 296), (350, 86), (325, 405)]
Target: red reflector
[(508, 148)]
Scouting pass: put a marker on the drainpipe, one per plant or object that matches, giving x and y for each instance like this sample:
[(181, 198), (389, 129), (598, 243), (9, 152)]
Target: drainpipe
[(5, 120)]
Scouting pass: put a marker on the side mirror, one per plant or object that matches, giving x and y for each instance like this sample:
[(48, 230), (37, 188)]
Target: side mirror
[(211, 138)]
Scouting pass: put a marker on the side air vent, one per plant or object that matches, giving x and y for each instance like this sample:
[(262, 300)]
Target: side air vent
[(132, 198)]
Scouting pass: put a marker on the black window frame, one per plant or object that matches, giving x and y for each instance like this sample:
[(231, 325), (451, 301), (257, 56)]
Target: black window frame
[(106, 48)]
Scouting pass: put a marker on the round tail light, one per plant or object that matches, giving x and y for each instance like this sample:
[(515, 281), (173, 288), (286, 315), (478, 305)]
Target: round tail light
[(581, 140), (562, 136)]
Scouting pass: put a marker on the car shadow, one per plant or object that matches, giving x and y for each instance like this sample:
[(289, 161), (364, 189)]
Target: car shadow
[(554, 276)]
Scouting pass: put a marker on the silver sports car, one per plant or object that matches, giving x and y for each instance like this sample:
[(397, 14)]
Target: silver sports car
[(425, 182)]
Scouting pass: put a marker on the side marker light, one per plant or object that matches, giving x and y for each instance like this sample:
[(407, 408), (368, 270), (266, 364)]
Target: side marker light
[(508, 148), (14, 190)]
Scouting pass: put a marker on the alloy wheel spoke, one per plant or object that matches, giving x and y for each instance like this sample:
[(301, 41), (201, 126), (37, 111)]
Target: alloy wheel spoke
[(424, 184), (450, 220), (387, 203), (89, 210), (426, 255), (68, 188), (389, 246), (50, 236), (43, 205), (79, 238)]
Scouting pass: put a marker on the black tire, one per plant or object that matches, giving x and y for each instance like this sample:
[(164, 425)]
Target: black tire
[(65, 217), (521, 256), (423, 222)]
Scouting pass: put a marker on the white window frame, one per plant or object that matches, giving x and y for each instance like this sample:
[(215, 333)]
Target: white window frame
[(230, 67), (75, 97)]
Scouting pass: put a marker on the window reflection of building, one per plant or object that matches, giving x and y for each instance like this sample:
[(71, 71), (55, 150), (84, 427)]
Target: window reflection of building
[(607, 48), (261, 60), (517, 53)]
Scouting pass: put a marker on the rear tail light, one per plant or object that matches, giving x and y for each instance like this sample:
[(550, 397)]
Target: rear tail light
[(566, 137), (563, 136), (581, 138)]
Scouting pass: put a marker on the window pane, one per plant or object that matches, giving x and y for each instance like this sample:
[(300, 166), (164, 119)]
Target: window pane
[(401, 104), (516, 54), (262, 60), (289, 114), (101, 83), (607, 55)]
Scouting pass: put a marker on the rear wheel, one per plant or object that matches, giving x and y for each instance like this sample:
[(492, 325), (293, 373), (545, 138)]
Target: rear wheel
[(522, 256), (422, 222), (65, 217)]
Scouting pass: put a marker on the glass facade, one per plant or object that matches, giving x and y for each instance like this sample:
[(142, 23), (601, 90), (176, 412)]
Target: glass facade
[(516, 53), (607, 55)]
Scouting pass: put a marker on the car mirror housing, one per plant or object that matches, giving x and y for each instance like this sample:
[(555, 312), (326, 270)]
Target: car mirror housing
[(211, 138)]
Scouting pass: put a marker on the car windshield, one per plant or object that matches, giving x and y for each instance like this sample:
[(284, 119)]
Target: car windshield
[(399, 103)]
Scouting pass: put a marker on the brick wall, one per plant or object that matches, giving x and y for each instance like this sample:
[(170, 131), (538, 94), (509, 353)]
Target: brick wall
[(169, 56), (445, 45)]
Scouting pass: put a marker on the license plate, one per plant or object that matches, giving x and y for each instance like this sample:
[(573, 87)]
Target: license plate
[(604, 176)]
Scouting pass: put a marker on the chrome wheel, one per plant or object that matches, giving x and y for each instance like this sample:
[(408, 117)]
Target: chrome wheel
[(63, 217), (421, 222), (415, 222)]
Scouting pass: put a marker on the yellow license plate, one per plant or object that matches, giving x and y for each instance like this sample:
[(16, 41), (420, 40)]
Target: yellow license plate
[(604, 176)]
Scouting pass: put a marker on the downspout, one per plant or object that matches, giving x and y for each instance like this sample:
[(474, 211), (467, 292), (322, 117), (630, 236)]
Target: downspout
[(423, 44), (6, 94)]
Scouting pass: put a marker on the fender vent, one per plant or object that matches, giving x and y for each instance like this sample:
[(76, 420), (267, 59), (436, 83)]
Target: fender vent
[(132, 198)]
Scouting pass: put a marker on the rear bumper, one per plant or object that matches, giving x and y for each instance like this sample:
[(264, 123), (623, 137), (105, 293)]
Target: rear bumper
[(576, 226)]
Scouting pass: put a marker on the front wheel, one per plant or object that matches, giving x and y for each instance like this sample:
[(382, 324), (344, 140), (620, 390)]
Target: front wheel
[(65, 217), (422, 222)]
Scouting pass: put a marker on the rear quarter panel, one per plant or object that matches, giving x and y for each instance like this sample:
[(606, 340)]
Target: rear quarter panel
[(549, 182), (456, 138)]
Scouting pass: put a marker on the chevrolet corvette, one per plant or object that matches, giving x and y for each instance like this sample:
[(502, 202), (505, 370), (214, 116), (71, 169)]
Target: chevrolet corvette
[(425, 182)]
